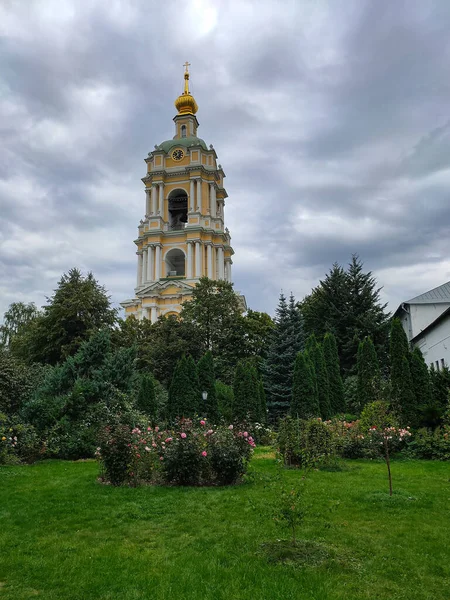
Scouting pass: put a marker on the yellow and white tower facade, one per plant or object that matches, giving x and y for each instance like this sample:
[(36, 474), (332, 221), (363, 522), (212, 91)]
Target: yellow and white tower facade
[(182, 236)]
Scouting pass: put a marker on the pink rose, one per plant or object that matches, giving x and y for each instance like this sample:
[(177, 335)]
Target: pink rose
[(245, 434), (169, 439), (161, 458), (156, 429), (138, 455), (154, 445), (183, 435), (202, 422), (204, 453), (149, 428)]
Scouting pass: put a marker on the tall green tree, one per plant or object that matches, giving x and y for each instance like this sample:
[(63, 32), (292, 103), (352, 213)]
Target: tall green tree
[(258, 327), (316, 355), (304, 403), (402, 391), (330, 352), (262, 402), (225, 400), (286, 340), (79, 307), (440, 392), (368, 368), (216, 311), (15, 320), (207, 383), (246, 392), (422, 388), (347, 303), (184, 392), (146, 398)]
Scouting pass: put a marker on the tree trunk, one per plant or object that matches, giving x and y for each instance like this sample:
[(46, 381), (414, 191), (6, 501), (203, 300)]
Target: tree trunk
[(388, 463)]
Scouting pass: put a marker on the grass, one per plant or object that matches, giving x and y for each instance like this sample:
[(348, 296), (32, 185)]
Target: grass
[(65, 536)]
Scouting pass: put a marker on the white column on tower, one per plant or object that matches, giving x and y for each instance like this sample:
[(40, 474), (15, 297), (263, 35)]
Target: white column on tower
[(210, 263), (189, 261), (148, 208), (150, 262), (198, 257), (153, 314), (192, 196), (212, 199), (199, 195), (230, 262), (220, 261), (158, 262), (139, 270), (144, 266), (161, 199), (154, 199)]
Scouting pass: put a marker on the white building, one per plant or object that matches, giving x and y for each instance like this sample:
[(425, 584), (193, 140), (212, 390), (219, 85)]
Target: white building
[(426, 321)]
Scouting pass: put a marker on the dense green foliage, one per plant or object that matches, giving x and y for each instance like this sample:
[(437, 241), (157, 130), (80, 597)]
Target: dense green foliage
[(246, 391), (402, 392), (368, 369), (336, 386), (286, 341), (184, 390), (207, 383), (347, 304), (422, 389), (146, 397), (304, 402), (320, 376), (78, 308), (15, 320), (215, 311)]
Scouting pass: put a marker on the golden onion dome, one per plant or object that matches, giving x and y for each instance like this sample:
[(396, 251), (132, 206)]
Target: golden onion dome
[(186, 104)]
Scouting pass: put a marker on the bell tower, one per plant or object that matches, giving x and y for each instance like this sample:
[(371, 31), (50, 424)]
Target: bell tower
[(182, 236)]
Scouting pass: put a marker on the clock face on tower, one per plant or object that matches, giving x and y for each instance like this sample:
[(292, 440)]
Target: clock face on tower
[(177, 154)]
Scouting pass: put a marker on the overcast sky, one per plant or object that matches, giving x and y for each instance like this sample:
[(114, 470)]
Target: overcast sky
[(331, 121)]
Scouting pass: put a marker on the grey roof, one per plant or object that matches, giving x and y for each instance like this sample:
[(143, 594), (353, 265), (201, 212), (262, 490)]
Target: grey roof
[(437, 295)]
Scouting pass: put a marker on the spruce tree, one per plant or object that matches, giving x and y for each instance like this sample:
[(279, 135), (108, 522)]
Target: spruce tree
[(315, 352), (304, 402), (330, 351), (207, 383), (401, 384), (286, 341), (422, 387), (146, 398), (368, 369)]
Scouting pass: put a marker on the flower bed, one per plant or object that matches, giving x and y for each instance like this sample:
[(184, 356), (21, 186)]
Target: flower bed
[(191, 453)]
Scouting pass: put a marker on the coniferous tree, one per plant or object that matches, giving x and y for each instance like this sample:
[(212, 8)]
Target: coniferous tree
[(440, 390), (246, 392), (225, 400), (304, 402), (184, 391), (406, 399), (402, 390), (262, 403), (207, 383), (368, 369), (315, 353), (286, 341), (330, 351), (422, 388), (347, 303), (146, 398), (78, 308)]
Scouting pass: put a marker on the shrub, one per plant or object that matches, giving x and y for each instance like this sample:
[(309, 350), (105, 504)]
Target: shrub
[(116, 453), (188, 454), (19, 442), (306, 443), (432, 444)]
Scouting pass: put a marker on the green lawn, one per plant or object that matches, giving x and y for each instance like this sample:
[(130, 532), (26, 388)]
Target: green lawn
[(65, 536)]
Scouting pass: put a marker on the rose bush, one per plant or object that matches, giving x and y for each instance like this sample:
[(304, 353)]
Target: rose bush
[(191, 453)]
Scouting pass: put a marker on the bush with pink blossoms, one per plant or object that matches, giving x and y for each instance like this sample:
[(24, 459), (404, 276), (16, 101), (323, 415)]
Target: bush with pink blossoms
[(191, 453)]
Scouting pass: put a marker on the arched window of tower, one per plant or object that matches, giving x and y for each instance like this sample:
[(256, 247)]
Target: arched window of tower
[(175, 263), (183, 131), (178, 209)]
